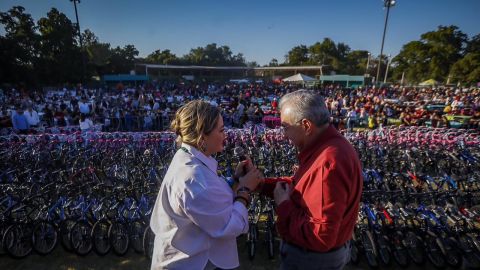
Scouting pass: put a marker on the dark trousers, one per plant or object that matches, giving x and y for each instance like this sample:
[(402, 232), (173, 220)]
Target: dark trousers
[(296, 258)]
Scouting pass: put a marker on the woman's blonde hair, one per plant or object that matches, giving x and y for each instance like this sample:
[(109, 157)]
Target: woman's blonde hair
[(193, 120)]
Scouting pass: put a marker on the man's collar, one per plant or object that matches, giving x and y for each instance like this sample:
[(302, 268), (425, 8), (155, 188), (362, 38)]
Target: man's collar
[(329, 133)]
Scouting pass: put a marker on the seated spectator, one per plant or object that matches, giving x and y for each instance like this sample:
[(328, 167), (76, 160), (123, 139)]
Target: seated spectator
[(20, 122), (85, 123)]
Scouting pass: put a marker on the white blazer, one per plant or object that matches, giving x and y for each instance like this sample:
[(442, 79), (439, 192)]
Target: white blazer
[(195, 219)]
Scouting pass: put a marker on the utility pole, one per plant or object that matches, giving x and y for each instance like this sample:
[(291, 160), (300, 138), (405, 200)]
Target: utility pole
[(387, 4), (81, 40)]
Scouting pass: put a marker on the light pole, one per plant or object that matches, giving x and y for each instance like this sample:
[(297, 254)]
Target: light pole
[(80, 38), (387, 4), (368, 64), (389, 60)]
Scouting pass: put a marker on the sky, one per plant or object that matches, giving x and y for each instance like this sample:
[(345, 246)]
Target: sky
[(259, 29)]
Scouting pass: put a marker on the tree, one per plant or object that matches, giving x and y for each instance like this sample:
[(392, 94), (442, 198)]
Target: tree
[(467, 69), (273, 63), (164, 57), (445, 48), (473, 45), (122, 60), (413, 60), (355, 62), (60, 55), (432, 56), (298, 56), (213, 56), (19, 46)]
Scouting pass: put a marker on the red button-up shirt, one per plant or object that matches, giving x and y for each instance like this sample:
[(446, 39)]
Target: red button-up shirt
[(323, 207)]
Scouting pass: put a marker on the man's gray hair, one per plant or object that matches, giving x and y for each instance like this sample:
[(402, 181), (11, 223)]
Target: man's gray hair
[(306, 104)]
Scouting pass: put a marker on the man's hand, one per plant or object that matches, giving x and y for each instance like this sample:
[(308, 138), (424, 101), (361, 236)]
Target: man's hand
[(281, 192)]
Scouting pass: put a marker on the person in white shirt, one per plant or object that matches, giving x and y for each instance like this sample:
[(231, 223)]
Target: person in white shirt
[(85, 123), (32, 117), (197, 215)]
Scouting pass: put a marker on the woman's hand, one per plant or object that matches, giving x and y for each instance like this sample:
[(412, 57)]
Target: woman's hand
[(252, 179), (243, 167)]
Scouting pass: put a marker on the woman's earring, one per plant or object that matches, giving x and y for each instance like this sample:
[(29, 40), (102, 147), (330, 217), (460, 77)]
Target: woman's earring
[(202, 146)]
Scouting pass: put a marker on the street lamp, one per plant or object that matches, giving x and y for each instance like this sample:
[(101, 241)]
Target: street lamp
[(387, 4), (80, 38), (368, 64), (389, 60)]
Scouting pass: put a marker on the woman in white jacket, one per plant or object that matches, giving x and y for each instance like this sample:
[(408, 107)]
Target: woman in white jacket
[(197, 214)]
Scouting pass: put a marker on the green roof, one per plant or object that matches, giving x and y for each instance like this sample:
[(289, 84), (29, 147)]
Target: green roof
[(125, 77), (341, 78)]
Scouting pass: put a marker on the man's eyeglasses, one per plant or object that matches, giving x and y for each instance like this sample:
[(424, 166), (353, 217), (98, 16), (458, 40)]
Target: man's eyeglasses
[(284, 126)]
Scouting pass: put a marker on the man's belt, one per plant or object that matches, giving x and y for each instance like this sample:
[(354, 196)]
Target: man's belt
[(314, 251)]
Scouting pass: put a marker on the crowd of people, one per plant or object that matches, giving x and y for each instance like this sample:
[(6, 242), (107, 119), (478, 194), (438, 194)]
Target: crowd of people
[(151, 106)]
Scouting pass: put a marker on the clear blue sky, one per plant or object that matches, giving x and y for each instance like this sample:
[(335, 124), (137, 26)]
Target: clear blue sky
[(259, 29)]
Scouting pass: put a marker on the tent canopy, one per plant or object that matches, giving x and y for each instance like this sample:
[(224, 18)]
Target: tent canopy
[(428, 82), (299, 77)]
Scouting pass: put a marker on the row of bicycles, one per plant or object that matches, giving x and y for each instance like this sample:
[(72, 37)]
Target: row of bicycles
[(95, 191), (83, 191), (421, 198)]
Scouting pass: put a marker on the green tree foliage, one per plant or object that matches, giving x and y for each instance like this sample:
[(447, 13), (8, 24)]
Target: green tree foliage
[(298, 56), (467, 70), (47, 52), (19, 46), (60, 55), (433, 56), (211, 55), (164, 57), (122, 60)]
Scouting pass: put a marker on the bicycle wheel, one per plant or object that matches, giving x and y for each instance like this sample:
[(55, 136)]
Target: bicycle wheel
[(118, 235), (251, 241), (383, 250), (400, 256), (435, 254), (415, 248), (453, 257), (354, 253), (44, 238), (270, 241), (148, 242), (80, 238), (3, 228), (136, 236), (17, 240), (65, 230), (369, 249), (101, 242)]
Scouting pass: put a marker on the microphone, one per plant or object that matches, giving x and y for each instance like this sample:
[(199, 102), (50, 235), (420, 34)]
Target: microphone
[(239, 153)]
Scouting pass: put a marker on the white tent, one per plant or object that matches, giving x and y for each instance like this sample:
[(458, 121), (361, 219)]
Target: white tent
[(299, 77)]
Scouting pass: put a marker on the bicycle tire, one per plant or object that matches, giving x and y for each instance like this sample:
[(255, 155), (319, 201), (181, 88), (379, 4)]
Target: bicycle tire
[(148, 242), (101, 242), (17, 240), (354, 253), (44, 238), (251, 241), (369, 249), (65, 232), (270, 240), (415, 249), (81, 238), (435, 254), (118, 235), (136, 229)]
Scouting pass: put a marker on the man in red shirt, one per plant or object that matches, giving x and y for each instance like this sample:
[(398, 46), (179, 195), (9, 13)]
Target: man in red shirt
[(317, 208)]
